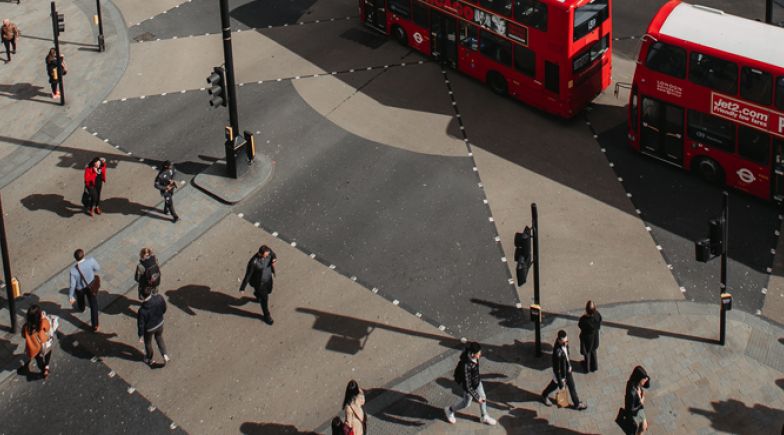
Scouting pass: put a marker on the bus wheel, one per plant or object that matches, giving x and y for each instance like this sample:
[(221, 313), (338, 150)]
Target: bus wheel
[(710, 171), (400, 35), (496, 82)]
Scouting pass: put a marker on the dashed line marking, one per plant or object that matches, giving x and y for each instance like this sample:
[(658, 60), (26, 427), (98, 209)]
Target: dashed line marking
[(240, 215), (131, 390)]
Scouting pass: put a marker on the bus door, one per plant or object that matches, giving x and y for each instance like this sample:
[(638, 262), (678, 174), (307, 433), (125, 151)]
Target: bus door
[(661, 132), (376, 14), (443, 32)]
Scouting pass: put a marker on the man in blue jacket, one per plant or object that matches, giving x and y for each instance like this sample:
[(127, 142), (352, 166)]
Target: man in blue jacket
[(82, 274)]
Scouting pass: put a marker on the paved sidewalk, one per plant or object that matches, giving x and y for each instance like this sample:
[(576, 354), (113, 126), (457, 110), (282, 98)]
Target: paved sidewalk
[(698, 387)]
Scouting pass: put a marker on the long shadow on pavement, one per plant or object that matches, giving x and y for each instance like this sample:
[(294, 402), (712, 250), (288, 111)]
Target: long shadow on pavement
[(201, 297), (526, 421), (639, 331), (405, 409), (249, 428), (733, 416)]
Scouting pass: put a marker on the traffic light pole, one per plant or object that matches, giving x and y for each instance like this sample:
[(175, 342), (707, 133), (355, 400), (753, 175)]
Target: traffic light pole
[(228, 58), (56, 33), (7, 269), (101, 41), (724, 239), (538, 320), (769, 11)]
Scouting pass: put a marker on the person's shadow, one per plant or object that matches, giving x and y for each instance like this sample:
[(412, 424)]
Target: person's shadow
[(24, 91), (404, 409), (249, 428), (200, 297), (52, 202), (85, 344)]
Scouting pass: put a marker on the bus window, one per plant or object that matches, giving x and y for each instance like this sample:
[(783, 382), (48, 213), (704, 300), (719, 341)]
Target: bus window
[(588, 17), (667, 59), (503, 7), (531, 13), (715, 73), (753, 145), (468, 36), (711, 130), (756, 85), (780, 93), (421, 13), (400, 8), (587, 58), (496, 48), (525, 60), (552, 77)]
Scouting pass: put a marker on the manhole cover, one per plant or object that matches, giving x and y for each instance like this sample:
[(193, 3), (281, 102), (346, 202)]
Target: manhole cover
[(146, 36)]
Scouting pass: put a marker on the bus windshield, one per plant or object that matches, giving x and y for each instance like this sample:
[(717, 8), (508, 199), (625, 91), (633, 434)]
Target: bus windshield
[(587, 17)]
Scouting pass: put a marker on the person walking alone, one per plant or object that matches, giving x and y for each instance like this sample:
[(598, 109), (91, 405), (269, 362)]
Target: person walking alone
[(149, 321), (259, 273), (148, 273), (10, 34), (84, 283), (94, 177), (353, 403), (467, 376), (37, 332), (54, 70), (165, 183), (562, 373), (589, 324), (634, 400)]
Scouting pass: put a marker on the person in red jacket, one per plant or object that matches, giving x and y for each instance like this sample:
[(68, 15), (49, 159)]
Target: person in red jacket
[(94, 177)]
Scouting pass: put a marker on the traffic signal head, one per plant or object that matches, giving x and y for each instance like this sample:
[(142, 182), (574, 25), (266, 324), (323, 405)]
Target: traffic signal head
[(703, 250), (60, 23), (217, 87), (715, 233)]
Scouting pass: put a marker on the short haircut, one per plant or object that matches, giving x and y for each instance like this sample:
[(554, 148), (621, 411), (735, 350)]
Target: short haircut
[(263, 249), (474, 348), (78, 254), (561, 334), (167, 164), (146, 292)]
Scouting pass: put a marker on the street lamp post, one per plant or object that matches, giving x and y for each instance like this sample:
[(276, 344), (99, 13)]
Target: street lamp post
[(99, 18), (7, 269)]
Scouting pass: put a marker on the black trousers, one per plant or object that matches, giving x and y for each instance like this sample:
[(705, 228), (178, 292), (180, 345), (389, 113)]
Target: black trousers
[(168, 204), (97, 191), (590, 363), (92, 300), (569, 383), (55, 86), (148, 335), (10, 46), (42, 360), (264, 301)]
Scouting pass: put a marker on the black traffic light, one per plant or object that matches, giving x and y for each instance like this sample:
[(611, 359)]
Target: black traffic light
[(217, 87), (60, 23), (710, 248), (523, 255)]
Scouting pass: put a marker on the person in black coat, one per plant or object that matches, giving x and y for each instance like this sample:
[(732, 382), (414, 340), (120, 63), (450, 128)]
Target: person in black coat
[(562, 373), (467, 376), (258, 274), (634, 400), (149, 321), (589, 324)]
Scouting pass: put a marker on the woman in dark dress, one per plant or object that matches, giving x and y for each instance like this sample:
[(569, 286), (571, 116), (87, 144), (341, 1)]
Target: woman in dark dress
[(589, 324)]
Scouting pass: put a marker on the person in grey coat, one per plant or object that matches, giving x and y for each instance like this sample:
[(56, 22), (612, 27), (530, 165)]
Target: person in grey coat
[(149, 321)]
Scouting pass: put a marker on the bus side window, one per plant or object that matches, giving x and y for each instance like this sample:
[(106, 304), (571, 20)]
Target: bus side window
[(711, 130), (531, 13), (468, 37), (503, 7), (496, 48), (756, 85), (552, 77), (525, 60), (401, 8), (715, 73), (633, 110), (421, 14), (667, 59), (753, 145), (780, 92)]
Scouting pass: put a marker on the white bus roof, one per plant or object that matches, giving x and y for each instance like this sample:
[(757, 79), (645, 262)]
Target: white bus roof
[(729, 33)]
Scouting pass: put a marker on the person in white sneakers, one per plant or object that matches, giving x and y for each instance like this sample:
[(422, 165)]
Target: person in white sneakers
[(466, 374)]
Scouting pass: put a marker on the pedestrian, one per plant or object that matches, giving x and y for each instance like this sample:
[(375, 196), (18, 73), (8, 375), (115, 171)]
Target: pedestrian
[(165, 183), (99, 165), (10, 34), (38, 335), (54, 70), (562, 373), (467, 375), (259, 273), (353, 403), (634, 401), (149, 321), (337, 426), (148, 273), (589, 324), (85, 284), (94, 177)]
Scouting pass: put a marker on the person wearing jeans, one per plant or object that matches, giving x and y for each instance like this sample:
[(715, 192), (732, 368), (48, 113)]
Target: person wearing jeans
[(149, 321), (467, 375), (81, 275)]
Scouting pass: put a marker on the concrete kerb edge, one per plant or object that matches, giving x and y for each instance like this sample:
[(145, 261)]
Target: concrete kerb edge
[(41, 136)]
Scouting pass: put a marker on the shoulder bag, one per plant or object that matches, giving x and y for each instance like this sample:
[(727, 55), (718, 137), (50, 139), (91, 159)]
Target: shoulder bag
[(95, 285)]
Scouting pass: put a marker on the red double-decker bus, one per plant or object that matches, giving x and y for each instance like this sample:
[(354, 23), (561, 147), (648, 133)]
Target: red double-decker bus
[(551, 54), (708, 96)]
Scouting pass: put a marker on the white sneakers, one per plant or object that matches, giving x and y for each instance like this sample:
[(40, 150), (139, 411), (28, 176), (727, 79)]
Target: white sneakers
[(166, 358), (450, 417)]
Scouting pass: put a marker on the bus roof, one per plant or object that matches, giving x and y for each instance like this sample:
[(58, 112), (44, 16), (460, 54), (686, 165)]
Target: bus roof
[(728, 33)]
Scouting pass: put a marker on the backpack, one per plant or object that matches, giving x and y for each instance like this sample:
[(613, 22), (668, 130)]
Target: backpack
[(152, 274), (459, 373), (158, 182)]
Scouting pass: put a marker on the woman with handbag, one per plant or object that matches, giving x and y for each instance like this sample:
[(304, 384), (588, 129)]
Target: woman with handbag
[(634, 401), (53, 70), (353, 402), (38, 336)]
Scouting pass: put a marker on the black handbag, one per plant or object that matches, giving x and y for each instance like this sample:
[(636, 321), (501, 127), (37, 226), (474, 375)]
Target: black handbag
[(87, 199), (624, 421)]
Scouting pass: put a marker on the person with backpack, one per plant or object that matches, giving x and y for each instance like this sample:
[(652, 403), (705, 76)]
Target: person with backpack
[(149, 321), (148, 273), (38, 333), (258, 274), (466, 375), (562, 373), (85, 283), (165, 184)]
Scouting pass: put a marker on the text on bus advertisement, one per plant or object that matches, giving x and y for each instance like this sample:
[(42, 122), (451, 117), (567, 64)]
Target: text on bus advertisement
[(749, 114)]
